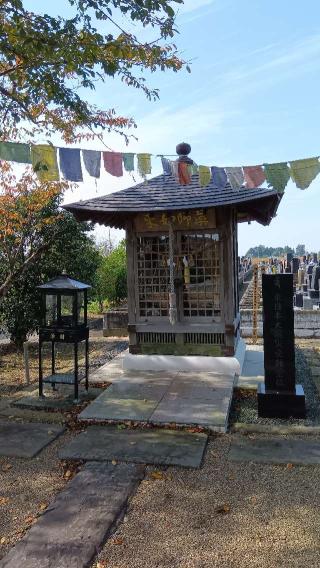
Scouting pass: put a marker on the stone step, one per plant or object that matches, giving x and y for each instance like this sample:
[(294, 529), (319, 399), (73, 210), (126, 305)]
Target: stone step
[(149, 446), (275, 450), (72, 529)]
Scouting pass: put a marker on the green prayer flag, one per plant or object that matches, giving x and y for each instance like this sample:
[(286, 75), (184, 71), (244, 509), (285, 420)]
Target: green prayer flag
[(15, 152), (277, 175), (128, 161), (303, 172)]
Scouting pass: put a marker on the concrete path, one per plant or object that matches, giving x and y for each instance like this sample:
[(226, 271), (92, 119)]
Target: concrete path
[(150, 446), (26, 440), (201, 399), (275, 450), (71, 531)]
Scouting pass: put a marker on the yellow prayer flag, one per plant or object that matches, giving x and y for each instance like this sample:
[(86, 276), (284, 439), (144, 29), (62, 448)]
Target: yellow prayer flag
[(44, 161)]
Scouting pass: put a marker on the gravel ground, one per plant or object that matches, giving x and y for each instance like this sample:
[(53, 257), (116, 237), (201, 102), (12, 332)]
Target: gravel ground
[(245, 407), (26, 488), (225, 515), (12, 379)]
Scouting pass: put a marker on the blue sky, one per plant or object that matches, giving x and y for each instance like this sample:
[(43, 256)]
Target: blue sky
[(252, 97)]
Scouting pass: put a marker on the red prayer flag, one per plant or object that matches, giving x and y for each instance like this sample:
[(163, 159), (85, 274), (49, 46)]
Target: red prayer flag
[(113, 163), (183, 173), (254, 176)]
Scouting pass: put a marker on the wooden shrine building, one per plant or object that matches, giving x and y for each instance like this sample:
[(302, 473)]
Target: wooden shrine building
[(181, 246)]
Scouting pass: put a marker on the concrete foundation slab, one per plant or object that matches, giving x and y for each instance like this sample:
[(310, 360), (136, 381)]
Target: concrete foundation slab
[(275, 451), (253, 368), (26, 440), (154, 446), (71, 531), (60, 399)]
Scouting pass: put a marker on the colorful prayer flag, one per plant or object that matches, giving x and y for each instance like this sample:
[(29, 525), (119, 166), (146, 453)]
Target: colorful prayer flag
[(144, 164), (15, 152), (92, 162), (166, 166), (183, 173), (235, 177), (219, 177), (44, 161), (254, 176), (277, 175), (113, 163), (70, 164), (128, 161), (303, 172), (204, 175)]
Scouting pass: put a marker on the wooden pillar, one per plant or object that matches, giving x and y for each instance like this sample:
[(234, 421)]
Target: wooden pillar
[(225, 224), (131, 283)]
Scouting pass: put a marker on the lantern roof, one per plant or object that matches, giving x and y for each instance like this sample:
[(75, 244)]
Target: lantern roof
[(64, 282)]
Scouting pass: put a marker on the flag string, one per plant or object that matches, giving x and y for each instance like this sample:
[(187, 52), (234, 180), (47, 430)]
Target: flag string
[(45, 162)]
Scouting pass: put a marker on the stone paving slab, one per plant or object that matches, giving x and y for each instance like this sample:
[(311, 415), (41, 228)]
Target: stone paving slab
[(71, 531), (150, 446), (162, 398), (61, 399), (190, 400), (131, 398), (26, 440), (275, 451)]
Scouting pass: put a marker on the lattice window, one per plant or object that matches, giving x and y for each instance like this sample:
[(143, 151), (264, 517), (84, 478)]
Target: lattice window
[(153, 276), (201, 289), (197, 267)]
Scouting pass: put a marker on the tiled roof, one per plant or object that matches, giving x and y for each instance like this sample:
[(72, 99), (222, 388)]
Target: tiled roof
[(163, 193)]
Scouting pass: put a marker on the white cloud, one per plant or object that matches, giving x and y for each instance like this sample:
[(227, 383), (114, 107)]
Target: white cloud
[(193, 5), (295, 58)]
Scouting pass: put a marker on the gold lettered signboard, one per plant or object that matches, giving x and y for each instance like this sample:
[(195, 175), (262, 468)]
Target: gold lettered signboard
[(180, 220)]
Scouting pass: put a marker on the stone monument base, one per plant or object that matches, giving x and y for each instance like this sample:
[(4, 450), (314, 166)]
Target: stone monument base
[(275, 404)]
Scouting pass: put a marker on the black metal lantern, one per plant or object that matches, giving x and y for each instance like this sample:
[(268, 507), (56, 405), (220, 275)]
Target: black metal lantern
[(64, 320)]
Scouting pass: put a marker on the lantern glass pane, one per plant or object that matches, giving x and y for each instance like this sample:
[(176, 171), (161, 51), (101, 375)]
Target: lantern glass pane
[(51, 310), (67, 310), (80, 308)]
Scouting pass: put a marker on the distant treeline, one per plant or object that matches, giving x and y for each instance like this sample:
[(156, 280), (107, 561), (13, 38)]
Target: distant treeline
[(263, 251)]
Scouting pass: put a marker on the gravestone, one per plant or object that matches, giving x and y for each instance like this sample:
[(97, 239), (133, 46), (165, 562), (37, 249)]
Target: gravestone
[(295, 263), (315, 277), (279, 396), (299, 300)]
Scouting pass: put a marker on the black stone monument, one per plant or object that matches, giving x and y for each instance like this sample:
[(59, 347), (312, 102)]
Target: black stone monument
[(279, 396)]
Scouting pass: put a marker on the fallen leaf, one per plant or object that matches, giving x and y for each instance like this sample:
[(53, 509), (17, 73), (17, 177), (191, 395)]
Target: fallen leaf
[(118, 540), (43, 506), (30, 519), (223, 509), (4, 500), (114, 462), (157, 475), (67, 474), (3, 540), (6, 467), (102, 564), (253, 499), (290, 465)]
